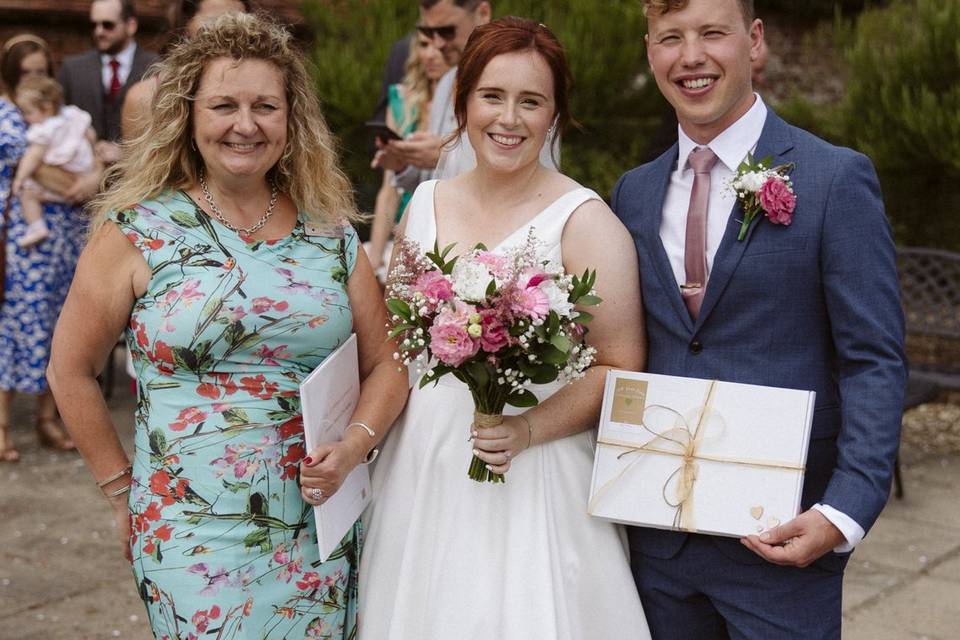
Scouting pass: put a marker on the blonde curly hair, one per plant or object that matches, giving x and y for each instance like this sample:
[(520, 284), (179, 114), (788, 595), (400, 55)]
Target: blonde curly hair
[(163, 157)]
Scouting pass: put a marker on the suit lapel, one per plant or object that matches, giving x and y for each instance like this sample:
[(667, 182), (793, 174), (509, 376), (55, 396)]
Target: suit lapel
[(775, 140), (666, 164)]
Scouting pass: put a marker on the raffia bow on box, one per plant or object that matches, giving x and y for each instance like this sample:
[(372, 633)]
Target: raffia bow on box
[(683, 442)]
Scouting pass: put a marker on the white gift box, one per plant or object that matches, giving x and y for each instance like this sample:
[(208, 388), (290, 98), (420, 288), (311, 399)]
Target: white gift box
[(699, 455)]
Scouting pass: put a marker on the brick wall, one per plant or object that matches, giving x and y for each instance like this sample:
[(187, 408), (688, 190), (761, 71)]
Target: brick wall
[(64, 24)]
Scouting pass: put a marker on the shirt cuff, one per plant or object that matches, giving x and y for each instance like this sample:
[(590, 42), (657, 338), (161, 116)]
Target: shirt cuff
[(852, 531)]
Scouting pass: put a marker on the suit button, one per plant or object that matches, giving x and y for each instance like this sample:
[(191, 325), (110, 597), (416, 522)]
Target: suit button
[(696, 347)]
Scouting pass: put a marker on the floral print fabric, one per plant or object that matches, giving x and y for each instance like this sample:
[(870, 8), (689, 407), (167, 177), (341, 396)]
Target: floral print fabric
[(222, 541), (37, 278)]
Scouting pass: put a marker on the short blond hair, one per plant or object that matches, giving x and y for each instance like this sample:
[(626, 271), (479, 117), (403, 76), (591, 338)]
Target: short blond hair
[(661, 7), (163, 157), (38, 91)]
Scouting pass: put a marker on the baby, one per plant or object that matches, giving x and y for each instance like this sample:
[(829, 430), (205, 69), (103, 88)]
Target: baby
[(60, 136)]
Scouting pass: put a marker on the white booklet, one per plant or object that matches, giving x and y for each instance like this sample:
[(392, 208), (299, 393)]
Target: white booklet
[(328, 397)]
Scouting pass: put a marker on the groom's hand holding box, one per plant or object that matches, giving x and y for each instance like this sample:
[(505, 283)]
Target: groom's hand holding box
[(696, 455)]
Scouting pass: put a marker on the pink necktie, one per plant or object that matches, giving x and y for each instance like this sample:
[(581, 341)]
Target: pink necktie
[(702, 160), (114, 79)]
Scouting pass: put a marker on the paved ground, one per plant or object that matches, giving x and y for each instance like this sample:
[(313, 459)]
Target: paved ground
[(62, 575)]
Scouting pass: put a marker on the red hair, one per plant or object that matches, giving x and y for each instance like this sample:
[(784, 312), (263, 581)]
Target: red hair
[(511, 35)]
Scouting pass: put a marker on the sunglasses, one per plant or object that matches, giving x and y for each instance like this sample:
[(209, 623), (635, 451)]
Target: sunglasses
[(107, 25), (448, 32)]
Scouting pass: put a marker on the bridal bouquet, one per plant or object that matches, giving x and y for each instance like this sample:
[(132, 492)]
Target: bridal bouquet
[(498, 323)]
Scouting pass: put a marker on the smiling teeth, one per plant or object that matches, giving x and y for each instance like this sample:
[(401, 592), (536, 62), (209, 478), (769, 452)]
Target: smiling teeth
[(507, 140), (699, 83), (242, 147)]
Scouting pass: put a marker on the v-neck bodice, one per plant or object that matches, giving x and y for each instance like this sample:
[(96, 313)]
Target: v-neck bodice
[(547, 225)]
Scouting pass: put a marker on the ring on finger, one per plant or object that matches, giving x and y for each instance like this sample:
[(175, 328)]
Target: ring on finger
[(316, 494)]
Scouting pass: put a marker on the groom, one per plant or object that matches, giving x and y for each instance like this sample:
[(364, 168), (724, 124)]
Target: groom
[(809, 305)]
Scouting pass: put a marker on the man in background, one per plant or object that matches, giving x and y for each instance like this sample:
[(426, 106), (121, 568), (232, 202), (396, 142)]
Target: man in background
[(97, 80)]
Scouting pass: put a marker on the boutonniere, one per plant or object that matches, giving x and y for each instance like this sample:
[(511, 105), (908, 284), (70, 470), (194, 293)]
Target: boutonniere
[(760, 188)]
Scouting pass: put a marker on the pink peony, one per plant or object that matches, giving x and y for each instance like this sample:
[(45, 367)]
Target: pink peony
[(534, 277), (449, 340), (452, 345), (434, 286), (495, 335), (777, 201)]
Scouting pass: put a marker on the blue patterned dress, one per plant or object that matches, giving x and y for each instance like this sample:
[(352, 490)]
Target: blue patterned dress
[(38, 278), (222, 541)]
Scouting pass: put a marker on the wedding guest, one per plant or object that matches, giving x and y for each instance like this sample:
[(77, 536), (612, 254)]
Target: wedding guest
[(393, 72), (807, 299), (409, 105), (186, 17), (522, 559), (59, 135), (449, 24), (36, 279), (236, 274), (97, 80)]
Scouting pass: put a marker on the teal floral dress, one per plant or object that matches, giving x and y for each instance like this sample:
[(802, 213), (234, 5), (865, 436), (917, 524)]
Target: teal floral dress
[(223, 544)]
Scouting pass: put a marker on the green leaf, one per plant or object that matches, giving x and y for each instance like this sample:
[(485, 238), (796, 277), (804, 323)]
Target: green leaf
[(552, 355), (589, 301), (185, 219), (562, 343), (539, 374), (479, 372), (235, 333), (235, 416), (399, 308), (158, 443), (257, 538), (523, 399), (158, 384), (236, 487), (583, 317)]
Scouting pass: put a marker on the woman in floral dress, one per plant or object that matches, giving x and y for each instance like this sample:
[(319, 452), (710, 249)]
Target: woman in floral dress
[(37, 279), (236, 275)]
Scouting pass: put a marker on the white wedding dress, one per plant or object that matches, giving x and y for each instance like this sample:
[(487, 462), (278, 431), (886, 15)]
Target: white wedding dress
[(448, 558)]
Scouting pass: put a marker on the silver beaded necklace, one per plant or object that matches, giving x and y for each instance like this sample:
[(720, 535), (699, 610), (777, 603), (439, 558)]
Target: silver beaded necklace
[(219, 214)]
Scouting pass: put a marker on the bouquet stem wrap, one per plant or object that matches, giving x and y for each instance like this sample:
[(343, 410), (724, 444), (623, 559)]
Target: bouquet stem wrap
[(478, 468)]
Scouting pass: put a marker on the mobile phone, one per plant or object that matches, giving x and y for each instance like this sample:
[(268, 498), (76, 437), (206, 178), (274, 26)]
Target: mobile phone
[(381, 131)]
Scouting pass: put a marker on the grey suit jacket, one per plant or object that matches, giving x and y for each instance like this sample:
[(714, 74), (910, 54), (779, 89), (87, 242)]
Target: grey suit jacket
[(83, 86)]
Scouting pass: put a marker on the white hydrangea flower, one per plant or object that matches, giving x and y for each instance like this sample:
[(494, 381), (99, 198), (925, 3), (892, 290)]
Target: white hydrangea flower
[(470, 280), (753, 180), (558, 298)]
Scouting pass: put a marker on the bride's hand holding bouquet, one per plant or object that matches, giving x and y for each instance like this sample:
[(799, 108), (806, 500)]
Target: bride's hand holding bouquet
[(499, 324)]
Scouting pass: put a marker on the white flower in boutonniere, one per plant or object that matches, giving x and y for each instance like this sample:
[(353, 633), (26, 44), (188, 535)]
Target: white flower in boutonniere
[(760, 188)]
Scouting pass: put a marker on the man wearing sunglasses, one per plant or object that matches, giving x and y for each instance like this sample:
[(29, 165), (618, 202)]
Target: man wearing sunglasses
[(97, 80), (449, 24)]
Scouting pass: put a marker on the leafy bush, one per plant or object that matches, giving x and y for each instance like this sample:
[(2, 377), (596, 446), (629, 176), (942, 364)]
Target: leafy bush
[(615, 102), (903, 110)]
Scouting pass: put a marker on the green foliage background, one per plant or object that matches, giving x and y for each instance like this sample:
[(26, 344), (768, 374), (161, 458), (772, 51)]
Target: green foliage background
[(902, 105)]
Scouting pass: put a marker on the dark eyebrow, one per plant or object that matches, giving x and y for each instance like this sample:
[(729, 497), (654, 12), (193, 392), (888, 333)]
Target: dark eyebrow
[(526, 93)]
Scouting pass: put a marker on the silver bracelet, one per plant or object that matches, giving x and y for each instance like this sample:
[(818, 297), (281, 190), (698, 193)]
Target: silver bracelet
[(119, 474), (122, 490), (373, 453), (364, 426), (529, 429)]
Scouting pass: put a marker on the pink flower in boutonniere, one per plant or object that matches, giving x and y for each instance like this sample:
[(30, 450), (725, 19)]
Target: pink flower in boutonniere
[(762, 189), (778, 201)]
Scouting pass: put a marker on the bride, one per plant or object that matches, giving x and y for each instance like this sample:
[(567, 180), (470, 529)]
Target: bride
[(447, 557)]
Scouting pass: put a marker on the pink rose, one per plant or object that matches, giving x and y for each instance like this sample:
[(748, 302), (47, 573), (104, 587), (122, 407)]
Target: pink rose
[(778, 201), (495, 335), (434, 286), (451, 344)]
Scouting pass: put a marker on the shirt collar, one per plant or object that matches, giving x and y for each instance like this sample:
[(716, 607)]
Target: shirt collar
[(734, 143), (124, 57)]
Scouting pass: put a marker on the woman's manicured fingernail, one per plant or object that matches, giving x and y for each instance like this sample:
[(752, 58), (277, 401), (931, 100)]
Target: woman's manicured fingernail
[(475, 433), (308, 460), (476, 452)]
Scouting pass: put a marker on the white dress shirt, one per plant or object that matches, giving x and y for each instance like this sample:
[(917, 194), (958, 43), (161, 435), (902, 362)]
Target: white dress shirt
[(125, 58), (731, 148)]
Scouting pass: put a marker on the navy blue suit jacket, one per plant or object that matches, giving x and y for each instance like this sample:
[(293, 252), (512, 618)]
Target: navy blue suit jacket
[(814, 305)]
